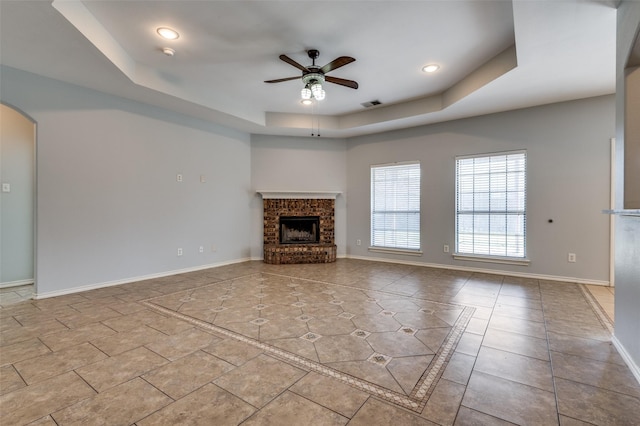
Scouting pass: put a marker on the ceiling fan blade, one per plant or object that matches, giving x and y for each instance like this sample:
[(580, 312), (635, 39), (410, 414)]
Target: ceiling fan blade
[(341, 81), (337, 63), (292, 62), (282, 79)]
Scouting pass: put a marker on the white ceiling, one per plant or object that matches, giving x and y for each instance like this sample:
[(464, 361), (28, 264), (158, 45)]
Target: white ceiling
[(494, 56)]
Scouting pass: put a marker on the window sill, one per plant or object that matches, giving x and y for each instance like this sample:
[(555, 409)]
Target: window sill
[(492, 259), (396, 251)]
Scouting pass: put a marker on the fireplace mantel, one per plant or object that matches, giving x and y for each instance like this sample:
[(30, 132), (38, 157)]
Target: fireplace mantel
[(299, 195)]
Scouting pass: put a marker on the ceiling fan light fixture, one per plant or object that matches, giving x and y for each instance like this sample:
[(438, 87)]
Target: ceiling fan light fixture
[(167, 33), (317, 91), (430, 68), (305, 94), (306, 102)]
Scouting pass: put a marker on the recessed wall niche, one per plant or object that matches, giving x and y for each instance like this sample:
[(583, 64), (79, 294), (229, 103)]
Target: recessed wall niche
[(632, 138)]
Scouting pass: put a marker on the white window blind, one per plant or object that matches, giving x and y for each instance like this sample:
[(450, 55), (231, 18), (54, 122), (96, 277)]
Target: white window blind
[(395, 206), (491, 205)]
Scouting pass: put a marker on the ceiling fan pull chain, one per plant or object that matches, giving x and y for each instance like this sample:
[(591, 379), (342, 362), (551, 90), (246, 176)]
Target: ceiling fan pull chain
[(313, 108)]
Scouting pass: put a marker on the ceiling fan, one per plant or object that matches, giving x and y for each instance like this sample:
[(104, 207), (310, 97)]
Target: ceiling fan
[(314, 76)]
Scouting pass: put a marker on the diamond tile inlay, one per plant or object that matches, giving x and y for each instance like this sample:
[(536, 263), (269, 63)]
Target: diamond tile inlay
[(407, 330), (337, 338), (304, 318), (361, 334), (311, 337), (379, 359)]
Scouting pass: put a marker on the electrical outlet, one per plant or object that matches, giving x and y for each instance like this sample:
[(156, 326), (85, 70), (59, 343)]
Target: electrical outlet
[(203, 178), (445, 248), (213, 248), (179, 177), (179, 252), (571, 257), (201, 249), (358, 242)]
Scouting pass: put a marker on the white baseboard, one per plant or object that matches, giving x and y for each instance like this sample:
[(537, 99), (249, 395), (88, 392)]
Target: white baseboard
[(371, 259), (485, 271), (635, 369), (16, 283), (133, 279)]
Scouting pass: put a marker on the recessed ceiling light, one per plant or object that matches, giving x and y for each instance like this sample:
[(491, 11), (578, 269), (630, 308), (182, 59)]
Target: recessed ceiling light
[(431, 68), (168, 33)]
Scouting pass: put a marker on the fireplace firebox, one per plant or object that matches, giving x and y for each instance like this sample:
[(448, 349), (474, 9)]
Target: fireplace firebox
[(299, 229)]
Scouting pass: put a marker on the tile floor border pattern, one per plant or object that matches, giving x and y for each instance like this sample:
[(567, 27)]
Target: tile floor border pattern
[(601, 314), (427, 382), (419, 396)]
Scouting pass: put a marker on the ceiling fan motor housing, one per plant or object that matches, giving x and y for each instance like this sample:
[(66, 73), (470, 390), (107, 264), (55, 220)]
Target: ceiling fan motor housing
[(313, 77)]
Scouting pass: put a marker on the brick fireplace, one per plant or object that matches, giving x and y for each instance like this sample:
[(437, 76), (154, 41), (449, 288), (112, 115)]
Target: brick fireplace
[(308, 217)]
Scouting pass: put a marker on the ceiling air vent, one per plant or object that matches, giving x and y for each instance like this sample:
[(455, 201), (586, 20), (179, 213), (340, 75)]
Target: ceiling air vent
[(371, 103)]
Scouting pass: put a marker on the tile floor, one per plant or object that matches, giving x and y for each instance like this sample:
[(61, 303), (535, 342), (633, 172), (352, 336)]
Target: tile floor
[(604, 297), (353, 343)]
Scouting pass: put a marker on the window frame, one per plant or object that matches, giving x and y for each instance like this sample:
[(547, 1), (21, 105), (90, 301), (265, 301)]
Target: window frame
[(476, 254), (410, 247)]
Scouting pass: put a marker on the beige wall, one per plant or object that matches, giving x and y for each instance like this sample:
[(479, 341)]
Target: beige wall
[(568, 167), (109, 206)]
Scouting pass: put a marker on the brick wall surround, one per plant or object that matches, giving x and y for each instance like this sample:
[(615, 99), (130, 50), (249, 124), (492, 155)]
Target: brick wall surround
[(322, 252)]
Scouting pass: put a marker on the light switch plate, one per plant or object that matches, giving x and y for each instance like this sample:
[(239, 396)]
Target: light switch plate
[(6, 187)]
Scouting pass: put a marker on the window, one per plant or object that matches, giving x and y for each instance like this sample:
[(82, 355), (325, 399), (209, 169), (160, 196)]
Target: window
[(395, 206), (491, 205)]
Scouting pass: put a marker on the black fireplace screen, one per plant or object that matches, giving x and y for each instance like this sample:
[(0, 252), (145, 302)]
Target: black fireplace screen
[(299, 229)]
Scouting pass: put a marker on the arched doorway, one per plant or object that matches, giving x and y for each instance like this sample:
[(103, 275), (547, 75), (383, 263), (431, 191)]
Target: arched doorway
[(17, 204)]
